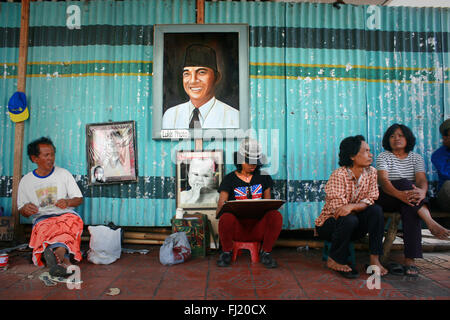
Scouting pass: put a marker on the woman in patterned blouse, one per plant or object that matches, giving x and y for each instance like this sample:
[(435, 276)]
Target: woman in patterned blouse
[(349, 212)]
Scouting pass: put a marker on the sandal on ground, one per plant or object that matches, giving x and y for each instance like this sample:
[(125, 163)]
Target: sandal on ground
[(396, 269), (59, 270), (411, 271), (51, 259), (348, 274)]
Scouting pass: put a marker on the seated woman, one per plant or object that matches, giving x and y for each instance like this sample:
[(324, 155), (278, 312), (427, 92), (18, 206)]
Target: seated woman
[(247, 182), (349, 212), (403, 188)]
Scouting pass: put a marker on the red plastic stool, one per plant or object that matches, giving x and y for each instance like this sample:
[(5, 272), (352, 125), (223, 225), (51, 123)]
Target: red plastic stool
[(253, 247)]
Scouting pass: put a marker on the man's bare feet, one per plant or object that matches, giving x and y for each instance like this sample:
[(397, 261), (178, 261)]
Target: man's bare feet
[(374, 260), (438, 231), (60, 252), (336, 266)]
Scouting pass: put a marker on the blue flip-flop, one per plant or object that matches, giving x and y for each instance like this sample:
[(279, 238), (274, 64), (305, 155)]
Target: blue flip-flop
[(396, 269), (412, 268)]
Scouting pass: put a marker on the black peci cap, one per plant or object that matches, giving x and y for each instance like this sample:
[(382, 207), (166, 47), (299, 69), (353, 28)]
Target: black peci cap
[(198, 55)]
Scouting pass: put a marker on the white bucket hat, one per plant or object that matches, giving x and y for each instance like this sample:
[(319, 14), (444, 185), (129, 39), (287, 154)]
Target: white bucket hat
[(250, 151)]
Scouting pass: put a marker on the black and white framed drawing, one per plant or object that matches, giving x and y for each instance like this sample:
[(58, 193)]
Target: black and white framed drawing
[(199, 174)]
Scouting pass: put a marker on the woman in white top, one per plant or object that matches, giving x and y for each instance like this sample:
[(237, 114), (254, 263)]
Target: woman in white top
[(403, 187)]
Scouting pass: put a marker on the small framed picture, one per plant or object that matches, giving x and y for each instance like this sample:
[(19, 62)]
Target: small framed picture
[(111, 152), (199, 174)]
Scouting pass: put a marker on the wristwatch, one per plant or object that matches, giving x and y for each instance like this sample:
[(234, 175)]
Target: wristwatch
[(366, 201)]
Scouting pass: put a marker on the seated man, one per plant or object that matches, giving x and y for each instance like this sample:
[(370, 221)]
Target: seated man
[(48, 194), (441, 161)]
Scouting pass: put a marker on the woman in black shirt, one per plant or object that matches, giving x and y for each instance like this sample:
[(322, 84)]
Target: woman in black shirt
[(247, 182)]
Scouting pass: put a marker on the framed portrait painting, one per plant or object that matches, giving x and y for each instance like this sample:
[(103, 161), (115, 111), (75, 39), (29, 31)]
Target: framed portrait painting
[(200, 79), (111, 152), (199, 174)]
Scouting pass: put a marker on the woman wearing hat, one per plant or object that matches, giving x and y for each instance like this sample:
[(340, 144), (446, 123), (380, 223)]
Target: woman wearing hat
[(247, 182), (403, 187)]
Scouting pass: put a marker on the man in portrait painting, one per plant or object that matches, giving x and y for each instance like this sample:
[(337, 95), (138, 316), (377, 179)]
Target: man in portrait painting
[(203, 110)]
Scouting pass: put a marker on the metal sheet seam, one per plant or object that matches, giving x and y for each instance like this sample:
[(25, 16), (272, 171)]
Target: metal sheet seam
[(445, 16)]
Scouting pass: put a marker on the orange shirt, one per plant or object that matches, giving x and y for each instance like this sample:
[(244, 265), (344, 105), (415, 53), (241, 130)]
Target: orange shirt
[(343, 188)]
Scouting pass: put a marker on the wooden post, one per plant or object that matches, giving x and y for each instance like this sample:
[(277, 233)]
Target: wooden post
[(200, 20), (200, 11), (390, 236), (19, 126)]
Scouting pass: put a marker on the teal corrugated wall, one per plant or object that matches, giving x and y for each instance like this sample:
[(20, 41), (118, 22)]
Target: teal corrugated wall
[(413, 91), (99, 73), (317, 75), (9, 58), (267, 93), (445, 20), (326, 99)]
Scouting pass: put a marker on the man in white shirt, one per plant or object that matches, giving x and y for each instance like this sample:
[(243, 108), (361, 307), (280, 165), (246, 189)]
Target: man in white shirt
[(49, 195), (203, 110)]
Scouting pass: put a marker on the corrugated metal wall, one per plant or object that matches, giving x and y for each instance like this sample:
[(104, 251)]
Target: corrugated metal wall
[(326, 100), (407, 76), (267, 78), (445, 20), (99, 73), (317, 75), (9, 57)]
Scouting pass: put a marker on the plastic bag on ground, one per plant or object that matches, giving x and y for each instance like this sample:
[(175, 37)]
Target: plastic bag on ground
[(105, 245), (175, 249)]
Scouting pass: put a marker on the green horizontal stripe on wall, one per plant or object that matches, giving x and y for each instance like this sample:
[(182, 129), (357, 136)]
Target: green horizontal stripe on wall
[(348, 72), (80, 68), (257, 70), (278, 37)]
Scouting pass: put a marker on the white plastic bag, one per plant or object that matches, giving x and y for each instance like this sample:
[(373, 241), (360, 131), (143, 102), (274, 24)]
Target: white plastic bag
[(175, 249), (105, 245)]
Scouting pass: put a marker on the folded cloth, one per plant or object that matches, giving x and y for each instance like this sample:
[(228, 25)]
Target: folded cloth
[(66, 228)]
